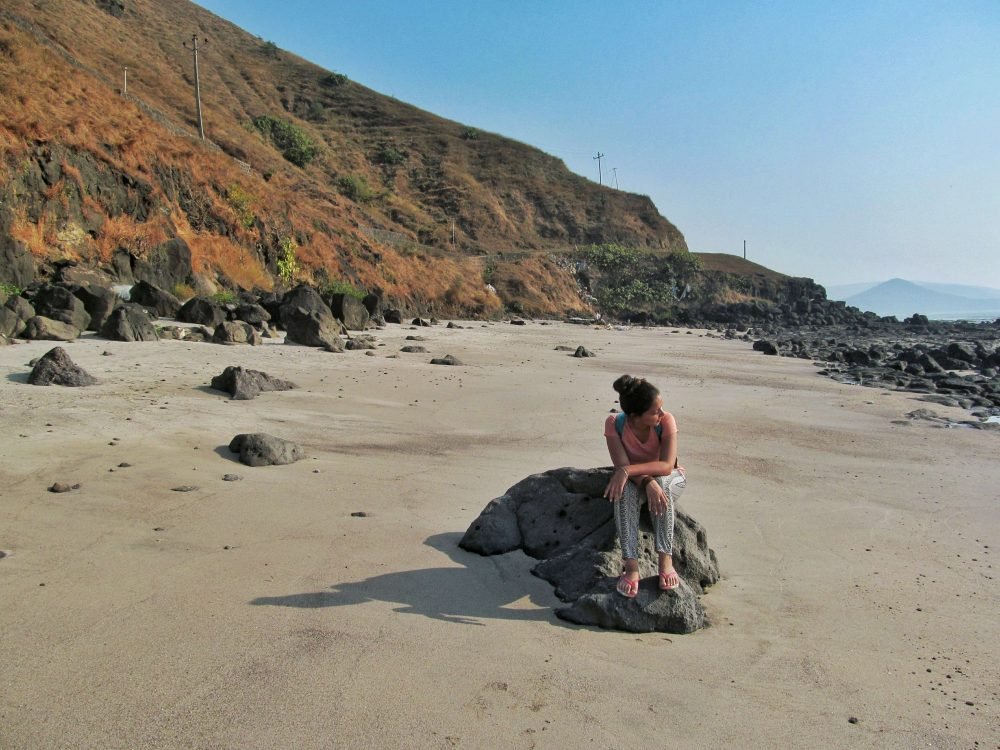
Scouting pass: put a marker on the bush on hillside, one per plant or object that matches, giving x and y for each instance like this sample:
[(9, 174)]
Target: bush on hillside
[(333, 80), (291, 140), (356, 188)]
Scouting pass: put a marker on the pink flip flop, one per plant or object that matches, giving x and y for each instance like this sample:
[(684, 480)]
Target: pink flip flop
[(627, 588), (664, 576)]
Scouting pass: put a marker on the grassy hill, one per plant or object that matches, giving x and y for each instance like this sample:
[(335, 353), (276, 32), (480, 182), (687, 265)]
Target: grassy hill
[(299, 162)]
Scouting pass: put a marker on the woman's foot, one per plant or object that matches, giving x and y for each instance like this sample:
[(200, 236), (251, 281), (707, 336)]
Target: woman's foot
[(669, 580), (628, 584)]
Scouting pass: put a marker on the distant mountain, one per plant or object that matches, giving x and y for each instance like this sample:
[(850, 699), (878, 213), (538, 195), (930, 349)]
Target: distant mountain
[(962, 290), (904, 298), (843, 291)]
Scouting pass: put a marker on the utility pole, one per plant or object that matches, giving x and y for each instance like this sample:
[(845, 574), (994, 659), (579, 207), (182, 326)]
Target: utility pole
[(197, 82), (615, 170), (744, 249), (125, 87), (599, 177)]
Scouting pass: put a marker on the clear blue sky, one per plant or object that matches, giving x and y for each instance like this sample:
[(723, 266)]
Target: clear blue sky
[(846, 141)]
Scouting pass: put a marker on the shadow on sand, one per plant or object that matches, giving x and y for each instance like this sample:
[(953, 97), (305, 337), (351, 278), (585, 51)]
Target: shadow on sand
[(480, 589)]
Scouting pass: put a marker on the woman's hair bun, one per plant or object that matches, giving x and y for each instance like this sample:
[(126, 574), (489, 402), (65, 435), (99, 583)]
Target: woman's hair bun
[(626, 384)]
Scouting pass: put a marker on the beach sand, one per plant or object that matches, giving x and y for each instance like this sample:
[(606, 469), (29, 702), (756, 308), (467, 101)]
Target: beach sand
[(858, 555)]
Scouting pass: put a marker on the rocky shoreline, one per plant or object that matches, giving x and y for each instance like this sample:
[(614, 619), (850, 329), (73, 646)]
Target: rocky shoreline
[(951, 363)]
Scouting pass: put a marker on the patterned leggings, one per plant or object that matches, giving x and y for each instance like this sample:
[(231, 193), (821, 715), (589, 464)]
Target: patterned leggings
[(627, 515)]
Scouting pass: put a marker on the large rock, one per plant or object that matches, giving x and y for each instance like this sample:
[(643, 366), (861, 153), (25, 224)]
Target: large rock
[(40, 328), (243, 384), (99, 302), (316, 327), (349, 310), (204, 311), (11, 324), (163, 303), (261, 449), (252, 313), (56, 368), (59, 303), (561, 518), (24, 309), (129, 322), (236, 332)]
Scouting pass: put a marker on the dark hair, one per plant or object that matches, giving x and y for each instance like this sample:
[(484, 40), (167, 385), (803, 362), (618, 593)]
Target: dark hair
[(636, 395)]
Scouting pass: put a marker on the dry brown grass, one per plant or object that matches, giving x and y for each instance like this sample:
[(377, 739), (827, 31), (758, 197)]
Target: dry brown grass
[(38, 239), (212, 253), (123, 232)]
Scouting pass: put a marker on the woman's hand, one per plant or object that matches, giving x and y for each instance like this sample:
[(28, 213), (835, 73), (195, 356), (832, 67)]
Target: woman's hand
[(616, 487), (656, 498)]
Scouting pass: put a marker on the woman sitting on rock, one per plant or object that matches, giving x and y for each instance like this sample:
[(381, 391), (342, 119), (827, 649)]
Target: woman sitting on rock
[(642, 441)]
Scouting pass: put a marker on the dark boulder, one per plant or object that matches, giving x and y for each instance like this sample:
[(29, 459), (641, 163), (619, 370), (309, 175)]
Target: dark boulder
[(130, 322), (447, 359), (361, 343), (261, 449), (98, 301), (11, 324), (582, 351), (348, 310), (163, 303), (204, 311), (251, 313), (236, 332), (40, 328), (765, 346), (21, 307), (414, 349), (243, 384), (56, 368), (59, 303), (373, 304), (393, 316), (307, 319), (301, 298), (561, 518)]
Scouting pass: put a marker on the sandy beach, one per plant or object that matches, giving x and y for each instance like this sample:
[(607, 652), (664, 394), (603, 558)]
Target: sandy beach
[(858, 606)]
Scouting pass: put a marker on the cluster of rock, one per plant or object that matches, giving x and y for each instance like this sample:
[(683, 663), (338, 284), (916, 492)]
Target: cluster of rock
[(950, 363), (561, 518), (63, 310)]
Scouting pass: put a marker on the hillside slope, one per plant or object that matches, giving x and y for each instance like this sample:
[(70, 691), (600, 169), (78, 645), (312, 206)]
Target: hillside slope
[(356, 185)]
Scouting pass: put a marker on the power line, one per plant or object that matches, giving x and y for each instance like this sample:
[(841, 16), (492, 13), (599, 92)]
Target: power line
[(197, 82), (599, 156)]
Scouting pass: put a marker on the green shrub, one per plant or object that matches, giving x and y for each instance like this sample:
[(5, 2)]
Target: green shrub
[(270, 49), (356, 188), (470, 134), (388, 155), (10, 290), (288, 264), (225, 297), (333, 80), (610, 256), (344, 287), (241, 201), (291, 140)]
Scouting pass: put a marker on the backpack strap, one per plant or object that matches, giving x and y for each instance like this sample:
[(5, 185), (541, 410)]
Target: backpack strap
[(620, 426)]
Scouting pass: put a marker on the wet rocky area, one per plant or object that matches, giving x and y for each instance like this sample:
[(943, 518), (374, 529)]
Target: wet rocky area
[(950, 363)]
